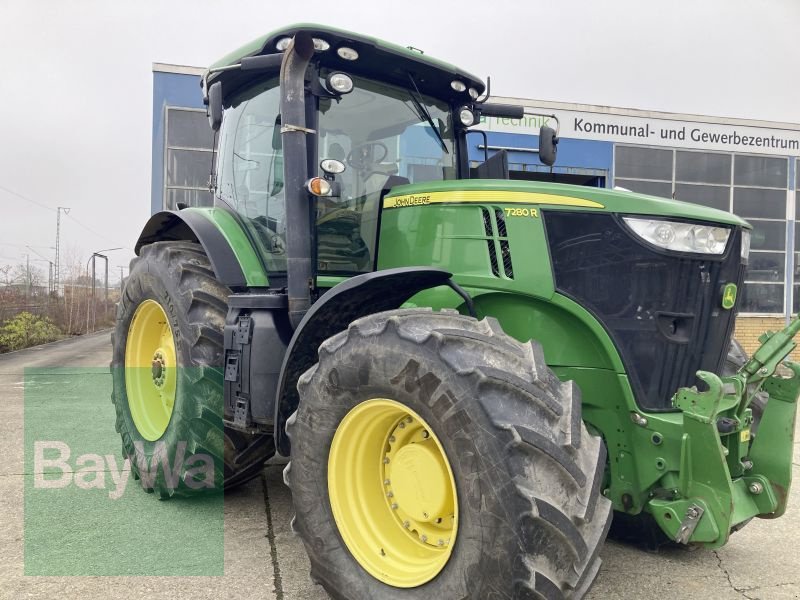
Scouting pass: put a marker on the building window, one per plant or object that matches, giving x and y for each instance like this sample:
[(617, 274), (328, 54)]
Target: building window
[(703, 178), (644, 170), (759, 195), (752, 187), (188, 149)]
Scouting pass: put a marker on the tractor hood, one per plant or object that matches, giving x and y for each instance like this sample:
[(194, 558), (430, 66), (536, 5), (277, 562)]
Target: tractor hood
[(560, 196)]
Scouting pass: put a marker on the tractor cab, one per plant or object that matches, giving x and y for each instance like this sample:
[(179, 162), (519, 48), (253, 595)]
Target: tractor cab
[(374, 116)]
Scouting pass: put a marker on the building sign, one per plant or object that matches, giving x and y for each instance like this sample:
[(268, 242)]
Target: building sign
[(654, 131)]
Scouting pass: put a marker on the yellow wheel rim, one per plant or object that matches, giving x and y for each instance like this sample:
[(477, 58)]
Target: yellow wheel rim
[(392, 493), (150, 370)]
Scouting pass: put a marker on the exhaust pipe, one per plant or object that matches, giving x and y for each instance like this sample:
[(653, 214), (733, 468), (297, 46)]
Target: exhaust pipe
[(295, 173)]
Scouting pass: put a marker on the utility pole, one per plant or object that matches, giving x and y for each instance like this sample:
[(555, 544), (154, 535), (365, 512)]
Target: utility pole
[(94, 282), (57, 274), (105, 305)]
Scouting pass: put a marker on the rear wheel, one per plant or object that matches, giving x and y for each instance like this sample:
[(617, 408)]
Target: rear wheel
[(167, 377), (434, 456)]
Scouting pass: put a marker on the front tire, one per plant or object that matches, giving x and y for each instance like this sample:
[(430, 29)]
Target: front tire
[(167, 376), (527, 510)]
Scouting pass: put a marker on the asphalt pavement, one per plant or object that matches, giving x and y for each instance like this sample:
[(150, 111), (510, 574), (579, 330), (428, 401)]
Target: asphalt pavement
[(75, 542)]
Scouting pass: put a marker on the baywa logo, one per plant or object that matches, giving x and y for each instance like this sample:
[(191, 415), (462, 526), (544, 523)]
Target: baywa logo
[(53, 468)]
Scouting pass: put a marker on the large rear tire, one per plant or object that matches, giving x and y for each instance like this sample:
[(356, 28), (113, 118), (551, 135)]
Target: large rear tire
[(468, 421), (167, 376)]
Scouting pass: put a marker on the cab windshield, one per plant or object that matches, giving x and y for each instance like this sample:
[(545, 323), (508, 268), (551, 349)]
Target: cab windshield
[(382, 135), (379, 132)]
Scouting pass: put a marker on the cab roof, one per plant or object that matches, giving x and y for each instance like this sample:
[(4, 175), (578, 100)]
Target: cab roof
[(377, 59)]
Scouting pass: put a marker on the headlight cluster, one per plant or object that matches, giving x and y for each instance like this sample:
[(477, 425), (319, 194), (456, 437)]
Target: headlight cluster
[(681, 237)]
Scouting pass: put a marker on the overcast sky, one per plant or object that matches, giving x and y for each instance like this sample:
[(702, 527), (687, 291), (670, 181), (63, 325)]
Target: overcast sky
[(76, 83)]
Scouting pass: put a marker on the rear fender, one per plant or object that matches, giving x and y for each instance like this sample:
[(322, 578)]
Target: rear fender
[(228, 247)]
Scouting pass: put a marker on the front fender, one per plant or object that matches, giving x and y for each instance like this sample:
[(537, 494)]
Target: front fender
[(341, 305)]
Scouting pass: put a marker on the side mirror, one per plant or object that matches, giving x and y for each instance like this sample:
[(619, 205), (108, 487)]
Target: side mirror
[(215, 105), (548, 145)]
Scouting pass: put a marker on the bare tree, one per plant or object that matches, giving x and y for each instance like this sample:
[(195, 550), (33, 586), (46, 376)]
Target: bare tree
[(30, 276), (6, 277), (76, 294)]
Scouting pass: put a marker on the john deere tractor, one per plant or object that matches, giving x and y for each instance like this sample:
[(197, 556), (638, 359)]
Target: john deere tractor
[(470, 375)]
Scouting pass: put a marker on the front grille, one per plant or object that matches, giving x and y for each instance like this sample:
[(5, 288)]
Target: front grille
[(662, 309)]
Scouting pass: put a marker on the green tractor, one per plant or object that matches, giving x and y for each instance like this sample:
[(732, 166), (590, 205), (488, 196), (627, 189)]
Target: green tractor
[(470, 375)]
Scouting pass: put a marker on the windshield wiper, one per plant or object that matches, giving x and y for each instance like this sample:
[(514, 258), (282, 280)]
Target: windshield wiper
[(417, 98)]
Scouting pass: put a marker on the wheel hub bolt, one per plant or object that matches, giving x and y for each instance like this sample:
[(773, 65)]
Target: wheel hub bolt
[(386, 460), (424, 538), (425, 435), (157, 368), (394, 505), (386, 482), (440, 543), (406, 524)]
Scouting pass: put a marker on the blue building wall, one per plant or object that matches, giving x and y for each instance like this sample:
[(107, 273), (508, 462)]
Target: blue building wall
[(169, 89)]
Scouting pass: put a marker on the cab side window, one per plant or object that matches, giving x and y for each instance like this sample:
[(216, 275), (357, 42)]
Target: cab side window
[(250, 178)]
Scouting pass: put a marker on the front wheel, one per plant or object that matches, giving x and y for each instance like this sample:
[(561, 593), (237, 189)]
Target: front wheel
[(433, 456)]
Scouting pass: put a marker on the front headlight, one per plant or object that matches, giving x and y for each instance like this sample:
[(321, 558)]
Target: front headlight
[(681, 237)]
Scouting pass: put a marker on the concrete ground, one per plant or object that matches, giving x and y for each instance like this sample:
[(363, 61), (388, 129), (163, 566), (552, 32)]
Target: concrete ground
[(262, 558)]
